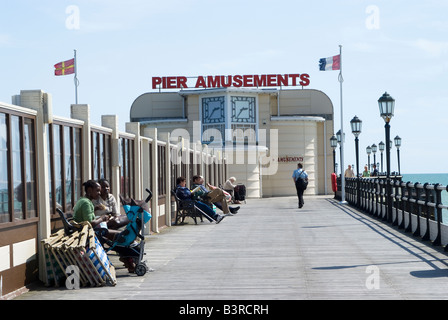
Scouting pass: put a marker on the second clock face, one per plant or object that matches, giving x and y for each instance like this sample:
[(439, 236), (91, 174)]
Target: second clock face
[(213, 110), (243, 109)]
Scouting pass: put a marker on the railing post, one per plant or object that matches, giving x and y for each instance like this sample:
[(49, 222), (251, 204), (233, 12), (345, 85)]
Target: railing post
[(364, 194), (389, 199), (408, 188), (437, 241), (377, 183), (411, 208), (384, 199), (419, 212), (360, 193), (403, 204), (427, 235), (396, 198), (446, 247), (374, 196), (369, 196), (380, 198)]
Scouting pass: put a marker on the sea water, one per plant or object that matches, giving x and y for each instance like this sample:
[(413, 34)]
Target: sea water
[(433, 178)]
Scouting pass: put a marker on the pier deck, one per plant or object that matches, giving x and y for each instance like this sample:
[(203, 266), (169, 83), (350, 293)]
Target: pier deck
[(273, 250)]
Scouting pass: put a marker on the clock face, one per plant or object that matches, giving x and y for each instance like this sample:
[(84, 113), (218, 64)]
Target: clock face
[(243, 109), (213, 110)]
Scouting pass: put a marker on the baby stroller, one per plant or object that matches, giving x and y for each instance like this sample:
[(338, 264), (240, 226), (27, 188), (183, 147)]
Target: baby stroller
[(124, 243)]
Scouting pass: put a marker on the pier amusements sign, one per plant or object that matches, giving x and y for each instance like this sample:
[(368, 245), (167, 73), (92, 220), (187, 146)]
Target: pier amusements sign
[(247, 81)]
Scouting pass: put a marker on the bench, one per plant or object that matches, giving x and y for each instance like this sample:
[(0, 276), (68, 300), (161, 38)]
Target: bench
[(185, 208)]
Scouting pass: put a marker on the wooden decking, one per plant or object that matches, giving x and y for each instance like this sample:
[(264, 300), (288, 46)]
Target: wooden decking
[(272, 250)]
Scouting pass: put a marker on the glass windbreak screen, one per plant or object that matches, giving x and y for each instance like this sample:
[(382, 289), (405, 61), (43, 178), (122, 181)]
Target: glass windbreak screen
[(17, 168), (30, 171), (4, 191)]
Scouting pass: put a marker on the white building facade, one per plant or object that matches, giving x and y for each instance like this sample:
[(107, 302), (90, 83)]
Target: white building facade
[(262, 132)]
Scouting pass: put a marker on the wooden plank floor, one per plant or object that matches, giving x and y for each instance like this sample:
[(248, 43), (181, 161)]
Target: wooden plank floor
[(272, 250)]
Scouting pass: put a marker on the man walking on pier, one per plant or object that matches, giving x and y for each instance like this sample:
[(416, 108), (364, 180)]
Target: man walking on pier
[(300, 178)]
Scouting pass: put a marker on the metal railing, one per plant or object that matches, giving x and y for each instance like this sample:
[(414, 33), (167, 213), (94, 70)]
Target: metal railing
[(415, 207)]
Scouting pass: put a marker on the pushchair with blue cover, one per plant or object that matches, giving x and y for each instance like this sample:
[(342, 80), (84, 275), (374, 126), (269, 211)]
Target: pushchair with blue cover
[(124, 244)]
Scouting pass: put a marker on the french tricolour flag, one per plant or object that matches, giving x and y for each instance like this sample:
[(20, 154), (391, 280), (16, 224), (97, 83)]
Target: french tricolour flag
[(332, 63)]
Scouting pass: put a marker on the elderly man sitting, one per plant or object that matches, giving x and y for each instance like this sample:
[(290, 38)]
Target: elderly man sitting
[(229, 186), (215, 196), (183, 193)]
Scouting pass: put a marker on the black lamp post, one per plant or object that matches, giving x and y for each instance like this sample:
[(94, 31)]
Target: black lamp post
[(334, 145), (374, 149), (339, 138), (387, 104), (398, 145), (356, 125), (369, 151), (381, 147)]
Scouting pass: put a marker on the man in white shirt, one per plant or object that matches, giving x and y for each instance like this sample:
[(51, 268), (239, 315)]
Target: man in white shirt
[(300, 178), (349, 172)]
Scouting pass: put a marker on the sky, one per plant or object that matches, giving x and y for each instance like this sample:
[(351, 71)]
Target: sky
[(399, 47)]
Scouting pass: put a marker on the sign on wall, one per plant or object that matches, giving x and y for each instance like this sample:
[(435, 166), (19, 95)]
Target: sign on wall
[(290, 159), (247, 81)]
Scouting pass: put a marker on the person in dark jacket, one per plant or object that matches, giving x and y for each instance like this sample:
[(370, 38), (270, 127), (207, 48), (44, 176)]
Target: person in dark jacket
[(298, 176), (183, 193)]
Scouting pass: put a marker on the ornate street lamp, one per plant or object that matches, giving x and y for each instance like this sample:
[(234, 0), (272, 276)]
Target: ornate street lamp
[(369, 151), (339, 138), (334, 145), (398, 145), (381, 147), (387, 105), (374, 149), (356, 125)]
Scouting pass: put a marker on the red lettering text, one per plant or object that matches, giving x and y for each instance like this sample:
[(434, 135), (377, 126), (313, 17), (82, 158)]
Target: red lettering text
[(200, 82), (265, 80), (305, 79), (213, 82), (237, 81), (182, 82), (260, 81), (156, 81), (272, 80)]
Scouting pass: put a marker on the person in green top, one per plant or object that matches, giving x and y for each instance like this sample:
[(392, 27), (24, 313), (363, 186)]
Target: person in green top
[(366, 172), (85, 211)]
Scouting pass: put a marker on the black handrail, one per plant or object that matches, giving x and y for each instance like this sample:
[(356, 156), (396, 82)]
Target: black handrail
[(409, 198)]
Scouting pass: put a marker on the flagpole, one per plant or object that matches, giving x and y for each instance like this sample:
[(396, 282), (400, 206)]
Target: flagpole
[(341, 80), (76, 80)]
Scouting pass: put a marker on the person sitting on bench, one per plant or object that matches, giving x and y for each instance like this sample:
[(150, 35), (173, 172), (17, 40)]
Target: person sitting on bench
[(229, 186), (215, 196), (84, 210), (183, 193)]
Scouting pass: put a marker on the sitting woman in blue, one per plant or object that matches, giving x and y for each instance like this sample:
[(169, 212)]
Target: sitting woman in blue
[(183, 193)]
